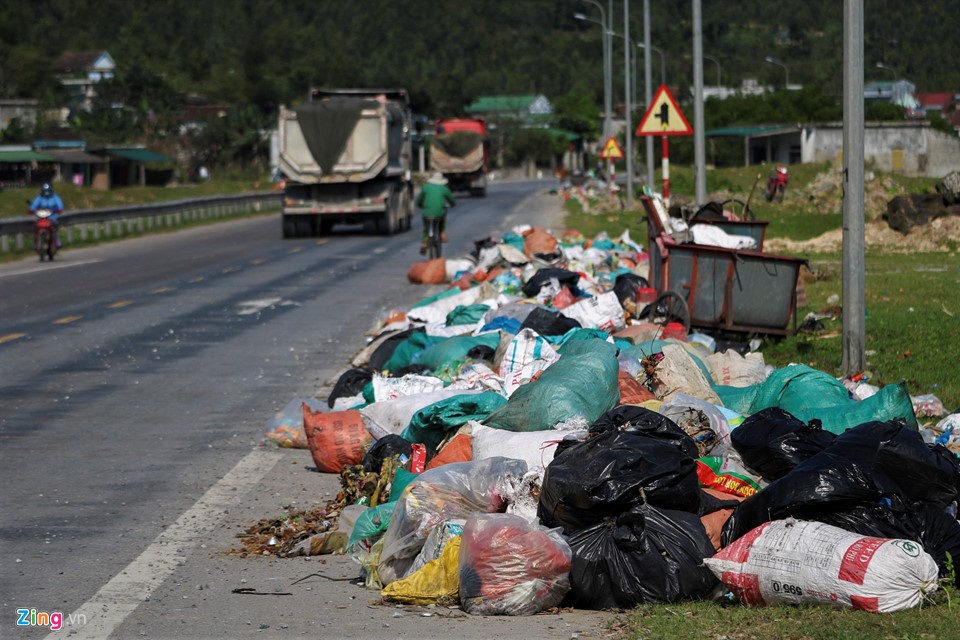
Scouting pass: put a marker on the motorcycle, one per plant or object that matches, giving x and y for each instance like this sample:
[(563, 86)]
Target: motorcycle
[(777, 184), (44, 234)]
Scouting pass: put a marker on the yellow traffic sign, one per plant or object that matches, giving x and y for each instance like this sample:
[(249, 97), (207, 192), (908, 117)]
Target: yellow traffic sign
[(663, 117), (612, 150)]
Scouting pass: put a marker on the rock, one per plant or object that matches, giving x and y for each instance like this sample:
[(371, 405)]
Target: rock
[(949, 188), (906, 212)]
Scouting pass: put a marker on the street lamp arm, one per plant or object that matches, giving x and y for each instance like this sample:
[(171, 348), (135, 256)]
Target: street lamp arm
[(663, 66), (786, 71)]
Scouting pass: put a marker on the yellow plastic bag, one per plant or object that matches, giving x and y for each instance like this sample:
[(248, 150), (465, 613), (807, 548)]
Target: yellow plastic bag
[(437, 582)]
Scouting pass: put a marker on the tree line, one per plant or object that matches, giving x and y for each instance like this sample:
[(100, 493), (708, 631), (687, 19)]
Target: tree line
[(254, 55)]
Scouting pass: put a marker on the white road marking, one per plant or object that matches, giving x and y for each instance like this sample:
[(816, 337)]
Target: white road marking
[(251, 307), (43, 267), (120, 597)]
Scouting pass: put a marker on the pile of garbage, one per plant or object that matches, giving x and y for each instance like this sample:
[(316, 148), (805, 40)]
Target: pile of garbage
[(525, 439)]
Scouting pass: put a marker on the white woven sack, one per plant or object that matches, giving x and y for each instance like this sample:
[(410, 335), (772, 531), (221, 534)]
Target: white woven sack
[(536, 448), (797, 562)]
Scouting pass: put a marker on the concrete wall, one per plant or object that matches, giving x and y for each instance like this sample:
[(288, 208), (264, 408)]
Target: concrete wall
[(914, 149)]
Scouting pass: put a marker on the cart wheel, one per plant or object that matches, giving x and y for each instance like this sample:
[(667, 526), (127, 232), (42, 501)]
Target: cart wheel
[(740, 208), (670, 307)]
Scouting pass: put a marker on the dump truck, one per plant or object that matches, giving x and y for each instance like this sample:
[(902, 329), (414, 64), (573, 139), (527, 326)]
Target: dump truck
[(345, 155), (461, 152)]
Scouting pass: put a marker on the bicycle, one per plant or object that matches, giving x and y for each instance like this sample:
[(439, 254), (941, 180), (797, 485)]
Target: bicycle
[(433, 237)]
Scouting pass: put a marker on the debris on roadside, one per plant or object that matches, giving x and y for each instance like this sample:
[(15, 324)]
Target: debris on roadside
[(531, 436)]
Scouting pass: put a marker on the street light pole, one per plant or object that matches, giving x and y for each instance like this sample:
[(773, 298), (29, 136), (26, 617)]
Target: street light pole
[(607, 119), (647, 90), (663, 67), (626, 90), (772, 60), (880, 65)]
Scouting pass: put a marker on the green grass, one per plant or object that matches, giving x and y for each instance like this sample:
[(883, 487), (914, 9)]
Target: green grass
[(712, 621)]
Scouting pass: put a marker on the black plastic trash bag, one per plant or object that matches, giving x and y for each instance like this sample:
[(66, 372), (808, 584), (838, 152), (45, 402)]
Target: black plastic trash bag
[(613, 471), (383, 449), (626, 286), (542, 277), (772, 442), (548, 323), (646, 555), (923, 473), (647, 422), (349, 384), (815, 489)]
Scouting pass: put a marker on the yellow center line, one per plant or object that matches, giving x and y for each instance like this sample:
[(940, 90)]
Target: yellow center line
[(197, 279), (10, 337), (324, 241), (164, 290), (295, 250), (258, 261), (67, 319), (119, 304), (231, 269)]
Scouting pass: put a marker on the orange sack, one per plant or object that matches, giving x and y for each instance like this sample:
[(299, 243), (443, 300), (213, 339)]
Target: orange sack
[(428, 271), (539, 240), (459, 449), (336, 439)]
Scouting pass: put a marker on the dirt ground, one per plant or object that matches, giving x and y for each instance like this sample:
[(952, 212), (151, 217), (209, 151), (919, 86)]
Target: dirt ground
[(879, 236), (824, 195)]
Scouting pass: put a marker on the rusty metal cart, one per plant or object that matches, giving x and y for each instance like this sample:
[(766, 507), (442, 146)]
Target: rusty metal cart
[(737, 290)]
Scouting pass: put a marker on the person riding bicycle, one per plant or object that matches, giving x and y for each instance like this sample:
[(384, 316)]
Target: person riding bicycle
[(49, 200), (434, 198)]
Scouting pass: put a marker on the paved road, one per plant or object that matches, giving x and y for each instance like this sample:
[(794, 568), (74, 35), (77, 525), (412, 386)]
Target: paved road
[(135, 381)]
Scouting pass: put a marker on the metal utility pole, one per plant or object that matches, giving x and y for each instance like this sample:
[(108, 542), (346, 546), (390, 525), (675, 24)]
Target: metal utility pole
[(626, 91), (699, 144), (854, 279), (647, 90), (607, 27)]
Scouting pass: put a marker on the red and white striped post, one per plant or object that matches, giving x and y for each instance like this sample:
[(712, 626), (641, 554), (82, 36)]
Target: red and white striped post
[(665, 166)]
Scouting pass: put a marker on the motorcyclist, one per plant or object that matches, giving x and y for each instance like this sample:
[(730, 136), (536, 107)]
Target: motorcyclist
[(434, 198), (49, 200)]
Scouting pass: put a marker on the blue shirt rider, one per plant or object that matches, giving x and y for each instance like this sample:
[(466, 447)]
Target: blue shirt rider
[(49, 200)]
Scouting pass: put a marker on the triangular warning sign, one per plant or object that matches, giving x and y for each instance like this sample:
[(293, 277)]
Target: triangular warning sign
[(612, 150), (663, 117)]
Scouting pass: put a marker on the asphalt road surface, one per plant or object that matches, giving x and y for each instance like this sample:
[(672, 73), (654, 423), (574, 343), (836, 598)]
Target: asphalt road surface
[(136, 379)]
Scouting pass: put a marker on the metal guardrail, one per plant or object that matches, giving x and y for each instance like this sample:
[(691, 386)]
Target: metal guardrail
[(16, 234)]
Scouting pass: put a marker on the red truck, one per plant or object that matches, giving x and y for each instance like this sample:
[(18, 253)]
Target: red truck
[(461, 152)]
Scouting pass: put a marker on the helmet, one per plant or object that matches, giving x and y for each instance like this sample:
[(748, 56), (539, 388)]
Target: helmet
[(46, 190)]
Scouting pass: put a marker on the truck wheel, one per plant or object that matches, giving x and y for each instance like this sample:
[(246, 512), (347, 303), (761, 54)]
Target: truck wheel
[(304, 227), (325, 226), (289, 227), (404, 215), (479, 192)]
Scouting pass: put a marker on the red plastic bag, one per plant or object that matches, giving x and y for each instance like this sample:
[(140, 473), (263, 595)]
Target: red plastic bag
[(509, 566)]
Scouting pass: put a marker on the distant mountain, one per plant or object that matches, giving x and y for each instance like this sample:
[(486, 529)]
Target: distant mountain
[(447, 52)]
